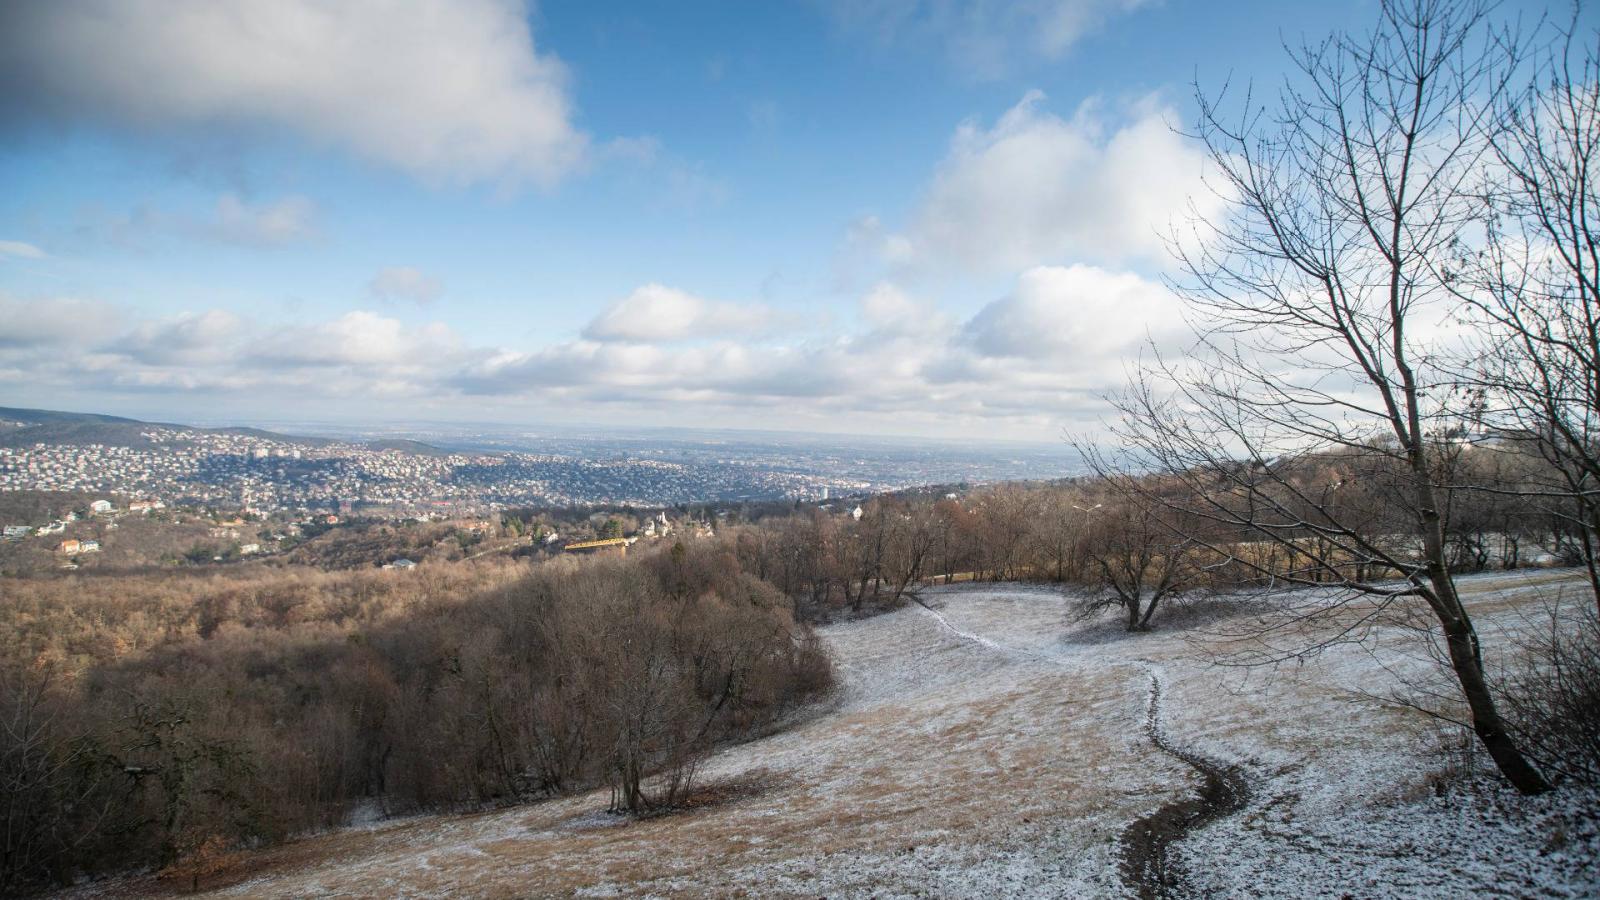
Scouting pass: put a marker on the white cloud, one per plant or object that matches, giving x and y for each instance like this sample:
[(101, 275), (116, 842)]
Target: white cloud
[(1076, 311), (452, 91), (405, 283), (186, 339), (1044, 353), (891, 312), (869, 234), (20, 249), (1036, 188), (43, 324), (655, 313), (359, 339), (983, 39), (52, 345)]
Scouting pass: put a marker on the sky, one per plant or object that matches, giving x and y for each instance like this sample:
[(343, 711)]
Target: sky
[(901, 217)]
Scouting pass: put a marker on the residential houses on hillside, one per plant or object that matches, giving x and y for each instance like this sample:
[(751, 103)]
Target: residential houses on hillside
[(268, 474)]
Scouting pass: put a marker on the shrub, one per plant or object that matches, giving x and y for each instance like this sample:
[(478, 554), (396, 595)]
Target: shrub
[(1552, 697)]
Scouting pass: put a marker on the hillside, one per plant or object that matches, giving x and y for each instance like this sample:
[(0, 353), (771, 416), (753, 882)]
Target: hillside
[(980, 747), (56, 427), (58, 417), (37, 507), (406, 445)]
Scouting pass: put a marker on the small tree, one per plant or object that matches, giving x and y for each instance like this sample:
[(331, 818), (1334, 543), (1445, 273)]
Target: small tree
[(1137, 558)]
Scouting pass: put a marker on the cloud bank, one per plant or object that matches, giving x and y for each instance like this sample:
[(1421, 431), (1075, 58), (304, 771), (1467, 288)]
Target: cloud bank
[(1030, 360), (451, 91)]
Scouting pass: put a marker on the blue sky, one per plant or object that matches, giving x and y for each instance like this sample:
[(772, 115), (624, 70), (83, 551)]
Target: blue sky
[(889, 216)]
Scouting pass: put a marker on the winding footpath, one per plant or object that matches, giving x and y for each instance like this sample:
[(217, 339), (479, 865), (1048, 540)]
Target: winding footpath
[(1149, 868), (1148, 864)]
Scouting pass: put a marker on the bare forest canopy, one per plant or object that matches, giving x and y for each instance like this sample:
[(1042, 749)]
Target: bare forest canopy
[(153, 720)]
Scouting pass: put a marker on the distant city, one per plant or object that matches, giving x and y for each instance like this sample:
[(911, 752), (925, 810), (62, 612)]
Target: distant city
[(401, 471)]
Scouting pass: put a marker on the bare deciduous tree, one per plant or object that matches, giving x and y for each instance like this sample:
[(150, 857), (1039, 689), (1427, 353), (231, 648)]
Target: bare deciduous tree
[(1314, 296), (1137, 558)]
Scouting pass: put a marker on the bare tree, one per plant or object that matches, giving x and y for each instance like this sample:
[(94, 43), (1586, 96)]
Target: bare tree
[(859, 555), (1534, 280), (1313, 295), (1005, 514), (1057, 532), (913, 538), (1137, 558)]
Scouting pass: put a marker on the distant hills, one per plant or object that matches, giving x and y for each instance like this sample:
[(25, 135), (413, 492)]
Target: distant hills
[(30, 426), (25, 427), (406, 445)]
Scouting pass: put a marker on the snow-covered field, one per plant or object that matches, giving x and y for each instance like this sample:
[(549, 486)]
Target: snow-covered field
[(987, 746)]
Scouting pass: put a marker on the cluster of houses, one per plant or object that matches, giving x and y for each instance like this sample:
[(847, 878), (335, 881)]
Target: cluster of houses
[(18, 532), (657, 527), (73, 547)]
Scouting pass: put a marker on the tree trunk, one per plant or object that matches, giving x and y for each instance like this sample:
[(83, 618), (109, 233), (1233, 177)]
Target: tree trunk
[(1132, 605), (1466, 660), (1589, 551), (1486, 722), (1149, 610)]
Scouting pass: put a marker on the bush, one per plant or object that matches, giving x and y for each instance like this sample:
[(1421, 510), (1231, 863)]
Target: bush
[(1552, 697)]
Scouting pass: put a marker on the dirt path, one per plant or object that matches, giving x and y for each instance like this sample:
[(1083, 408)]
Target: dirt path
[(979, 639), (1147, 865)]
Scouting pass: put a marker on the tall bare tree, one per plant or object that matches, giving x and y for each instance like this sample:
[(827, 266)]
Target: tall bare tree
[(1533, 281), (1314, 296)]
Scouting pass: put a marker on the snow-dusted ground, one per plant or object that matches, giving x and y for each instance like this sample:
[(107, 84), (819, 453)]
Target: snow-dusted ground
[(989, 747)]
